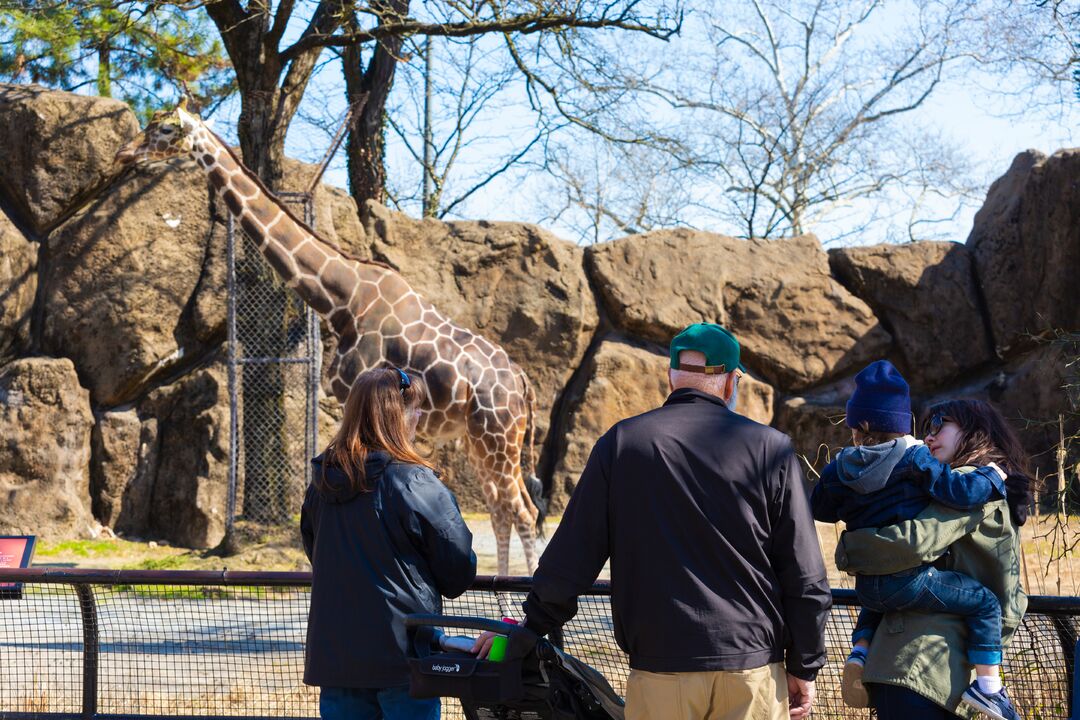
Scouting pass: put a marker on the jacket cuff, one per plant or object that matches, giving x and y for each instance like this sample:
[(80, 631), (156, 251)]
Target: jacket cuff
[(802, 673)]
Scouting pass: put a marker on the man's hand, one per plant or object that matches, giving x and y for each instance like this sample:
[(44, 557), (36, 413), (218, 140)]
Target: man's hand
[(482, 646), (800, 697)]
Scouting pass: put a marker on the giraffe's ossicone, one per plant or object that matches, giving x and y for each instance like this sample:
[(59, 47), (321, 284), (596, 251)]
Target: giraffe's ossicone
[(476, 390)]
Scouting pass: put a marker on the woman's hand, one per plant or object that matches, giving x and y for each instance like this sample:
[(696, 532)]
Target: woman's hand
[(482, 646)]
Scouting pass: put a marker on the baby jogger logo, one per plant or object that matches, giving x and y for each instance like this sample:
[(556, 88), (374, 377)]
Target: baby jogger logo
[(454, 669)]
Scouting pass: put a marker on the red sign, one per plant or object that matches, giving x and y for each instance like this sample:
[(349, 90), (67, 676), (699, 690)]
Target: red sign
[(15, 552)]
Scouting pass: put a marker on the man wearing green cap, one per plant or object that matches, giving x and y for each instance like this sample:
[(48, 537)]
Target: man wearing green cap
[(719, 593)]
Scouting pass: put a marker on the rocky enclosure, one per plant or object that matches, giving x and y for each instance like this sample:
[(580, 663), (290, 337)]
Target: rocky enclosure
[(113, 392)]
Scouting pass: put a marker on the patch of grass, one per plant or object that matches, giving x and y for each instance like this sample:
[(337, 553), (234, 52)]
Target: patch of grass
[(174, 592), (169, 562), (78, 548)]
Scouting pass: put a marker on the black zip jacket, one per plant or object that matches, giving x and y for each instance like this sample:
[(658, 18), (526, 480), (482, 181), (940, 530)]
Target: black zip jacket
[(376, 557), (715, 563)]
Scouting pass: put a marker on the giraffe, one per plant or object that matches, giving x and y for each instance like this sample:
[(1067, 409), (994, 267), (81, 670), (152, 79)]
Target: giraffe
[(378, 320)]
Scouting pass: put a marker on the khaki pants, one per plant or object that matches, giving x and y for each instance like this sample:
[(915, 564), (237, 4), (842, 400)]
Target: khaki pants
[(758, 694)]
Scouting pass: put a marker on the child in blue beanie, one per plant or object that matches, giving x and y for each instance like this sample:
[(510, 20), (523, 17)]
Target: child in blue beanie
[(889, 477)]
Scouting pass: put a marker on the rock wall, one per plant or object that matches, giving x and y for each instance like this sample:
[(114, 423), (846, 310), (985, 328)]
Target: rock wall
[(113, 392)]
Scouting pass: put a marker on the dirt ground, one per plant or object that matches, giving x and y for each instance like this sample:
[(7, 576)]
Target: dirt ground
[(1051, 553)]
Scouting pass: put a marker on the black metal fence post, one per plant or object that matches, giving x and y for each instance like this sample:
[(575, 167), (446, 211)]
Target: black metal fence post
[(1074, 679), (88, 613)]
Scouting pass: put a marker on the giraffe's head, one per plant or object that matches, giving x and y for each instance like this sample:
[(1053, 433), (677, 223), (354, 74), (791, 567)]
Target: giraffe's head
[(168, 134)]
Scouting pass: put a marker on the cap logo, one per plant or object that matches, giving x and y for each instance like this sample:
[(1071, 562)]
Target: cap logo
[(704, 369)]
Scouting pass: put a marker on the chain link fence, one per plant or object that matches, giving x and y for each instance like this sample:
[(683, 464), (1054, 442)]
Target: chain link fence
[(88, 643), (274, 351)]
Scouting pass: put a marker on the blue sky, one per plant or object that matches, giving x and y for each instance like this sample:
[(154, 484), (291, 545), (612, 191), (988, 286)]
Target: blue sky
[(968, 117)]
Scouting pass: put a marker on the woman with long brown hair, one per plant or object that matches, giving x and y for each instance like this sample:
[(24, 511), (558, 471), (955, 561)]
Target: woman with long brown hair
[(385, 538), (917, 666)]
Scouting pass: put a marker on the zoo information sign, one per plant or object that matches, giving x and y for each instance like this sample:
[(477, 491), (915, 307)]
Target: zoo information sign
[(15, 552)]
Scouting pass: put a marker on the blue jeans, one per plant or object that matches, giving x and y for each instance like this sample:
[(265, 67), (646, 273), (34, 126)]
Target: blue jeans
[(928, 589), (893, 702), (375, 704)]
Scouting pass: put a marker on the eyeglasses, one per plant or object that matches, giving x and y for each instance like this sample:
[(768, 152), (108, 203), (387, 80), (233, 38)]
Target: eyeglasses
[(405, 383), (936, 421)]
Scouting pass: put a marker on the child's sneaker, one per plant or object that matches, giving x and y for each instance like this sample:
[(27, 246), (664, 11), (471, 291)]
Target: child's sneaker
[(996, 705), (851, 686)]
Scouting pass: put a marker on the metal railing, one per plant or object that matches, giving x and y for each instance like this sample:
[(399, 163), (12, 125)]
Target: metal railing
[(115, 644)]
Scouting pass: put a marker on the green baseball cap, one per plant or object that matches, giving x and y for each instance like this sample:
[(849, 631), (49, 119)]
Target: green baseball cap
[(719, 346)]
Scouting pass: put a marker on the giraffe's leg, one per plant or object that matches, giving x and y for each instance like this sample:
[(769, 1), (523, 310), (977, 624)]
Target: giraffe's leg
[(500, 493), (500, 522), (527, 535), (512, 514), (525, 513), (521, 512), (501, 525)]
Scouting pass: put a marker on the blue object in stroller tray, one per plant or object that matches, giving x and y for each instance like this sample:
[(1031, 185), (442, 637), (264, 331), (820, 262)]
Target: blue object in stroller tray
[(535, 681)]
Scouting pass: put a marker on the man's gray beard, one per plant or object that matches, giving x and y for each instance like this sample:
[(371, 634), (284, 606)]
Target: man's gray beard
[(733, 403)]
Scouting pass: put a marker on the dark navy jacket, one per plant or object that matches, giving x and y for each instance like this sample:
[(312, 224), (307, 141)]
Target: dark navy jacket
[(377, 557), (715, 563), (879, 485)]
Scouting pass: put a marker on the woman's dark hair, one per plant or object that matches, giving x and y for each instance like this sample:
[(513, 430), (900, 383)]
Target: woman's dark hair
[(376, 418), (985, 437)]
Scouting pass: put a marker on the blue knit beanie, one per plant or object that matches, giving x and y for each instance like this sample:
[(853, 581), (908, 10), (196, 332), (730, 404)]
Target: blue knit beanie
[(881, 399)]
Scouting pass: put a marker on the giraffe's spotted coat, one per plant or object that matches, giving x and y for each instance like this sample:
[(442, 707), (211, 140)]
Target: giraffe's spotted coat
[(476, 390)]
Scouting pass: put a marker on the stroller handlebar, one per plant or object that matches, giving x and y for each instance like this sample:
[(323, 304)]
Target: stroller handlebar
[(461, 622)]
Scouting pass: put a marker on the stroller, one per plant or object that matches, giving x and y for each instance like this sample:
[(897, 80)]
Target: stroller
[(535, 680)]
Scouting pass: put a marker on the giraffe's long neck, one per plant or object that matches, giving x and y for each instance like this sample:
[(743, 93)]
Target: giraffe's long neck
[(323, 277)]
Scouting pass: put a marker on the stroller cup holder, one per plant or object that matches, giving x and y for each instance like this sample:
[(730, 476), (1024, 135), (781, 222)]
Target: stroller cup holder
[(535, 680), (436, 673)]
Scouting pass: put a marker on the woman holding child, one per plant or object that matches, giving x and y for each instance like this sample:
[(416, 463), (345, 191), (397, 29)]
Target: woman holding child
[(920, 657)]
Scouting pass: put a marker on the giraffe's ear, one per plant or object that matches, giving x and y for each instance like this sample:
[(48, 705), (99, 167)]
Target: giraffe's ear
[(182, 105)]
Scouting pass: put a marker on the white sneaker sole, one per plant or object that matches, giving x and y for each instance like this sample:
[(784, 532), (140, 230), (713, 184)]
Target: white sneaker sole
[(852, 689)]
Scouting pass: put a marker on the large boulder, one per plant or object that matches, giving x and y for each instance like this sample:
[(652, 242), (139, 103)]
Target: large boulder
[(59, 150), (1040, 394), (45, 420), (797, 325), (815, 423), (515, 284), (926, 294), (756, 400), (621, 379), (1026, 244), (161, 469), (120, 277), (190, 478), (122, 470), (18, 285), (1034, 391)]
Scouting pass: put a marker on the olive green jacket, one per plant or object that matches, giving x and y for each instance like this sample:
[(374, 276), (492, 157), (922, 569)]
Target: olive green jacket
[(925, 652)]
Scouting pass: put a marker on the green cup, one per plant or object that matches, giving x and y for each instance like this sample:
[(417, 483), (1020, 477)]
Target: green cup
[(498, 649)]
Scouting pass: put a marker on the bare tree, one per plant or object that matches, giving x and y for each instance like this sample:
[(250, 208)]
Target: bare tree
[(598, 190), (803, 105), (449, 112), (780, 115), (540, 23), (272, 74)]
